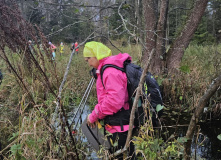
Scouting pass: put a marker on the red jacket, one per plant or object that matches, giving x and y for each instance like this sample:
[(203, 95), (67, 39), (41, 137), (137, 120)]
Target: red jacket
[(75, 45)]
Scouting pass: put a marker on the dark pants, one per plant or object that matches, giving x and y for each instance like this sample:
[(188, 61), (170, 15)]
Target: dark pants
[(121, 137), (1, 157)]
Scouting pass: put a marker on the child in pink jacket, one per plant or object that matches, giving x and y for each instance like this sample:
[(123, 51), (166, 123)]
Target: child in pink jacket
[(53, 49), (112, 94)]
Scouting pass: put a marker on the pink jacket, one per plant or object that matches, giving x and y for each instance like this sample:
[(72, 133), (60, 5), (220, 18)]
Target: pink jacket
[(52, 47), (115, 95)]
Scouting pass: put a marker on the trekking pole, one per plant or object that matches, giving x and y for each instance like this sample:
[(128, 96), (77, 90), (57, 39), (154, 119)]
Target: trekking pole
[(83, 107), (88, 87), (84, 98)]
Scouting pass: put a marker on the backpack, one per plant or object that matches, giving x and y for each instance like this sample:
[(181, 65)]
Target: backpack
[(150, 89)]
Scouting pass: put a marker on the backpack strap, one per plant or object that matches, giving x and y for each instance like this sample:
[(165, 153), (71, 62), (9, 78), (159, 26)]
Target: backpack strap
[(102, 72), (109, 65)]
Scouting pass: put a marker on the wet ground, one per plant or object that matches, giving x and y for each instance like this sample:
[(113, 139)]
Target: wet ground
[(205, 144), (208, 146)]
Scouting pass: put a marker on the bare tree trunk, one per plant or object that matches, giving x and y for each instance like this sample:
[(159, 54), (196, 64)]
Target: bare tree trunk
[(157, 61), (150, 21), (199, 109), (101, 22), (176, 52), (138, 19)]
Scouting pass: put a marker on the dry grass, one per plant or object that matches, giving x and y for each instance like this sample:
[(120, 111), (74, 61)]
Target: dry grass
[(30, 121)]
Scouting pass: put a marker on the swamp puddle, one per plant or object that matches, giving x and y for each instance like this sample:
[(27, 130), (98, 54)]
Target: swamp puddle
[(206, 146), (78, 120)]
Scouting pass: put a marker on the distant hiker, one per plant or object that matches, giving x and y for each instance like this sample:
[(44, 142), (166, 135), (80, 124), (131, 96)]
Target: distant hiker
[(53, 50), (112, 94), (41, 47), (73, 46), (30, 46), (61, 48)]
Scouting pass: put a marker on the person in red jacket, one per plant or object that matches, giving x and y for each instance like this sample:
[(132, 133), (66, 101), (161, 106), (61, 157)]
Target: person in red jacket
[(112, 94), (75, 45)]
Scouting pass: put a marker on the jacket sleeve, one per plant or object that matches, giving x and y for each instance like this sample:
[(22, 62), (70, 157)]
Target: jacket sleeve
[(115, 97)]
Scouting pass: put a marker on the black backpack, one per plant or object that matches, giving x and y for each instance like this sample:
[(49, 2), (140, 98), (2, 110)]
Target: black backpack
[(151, 91)]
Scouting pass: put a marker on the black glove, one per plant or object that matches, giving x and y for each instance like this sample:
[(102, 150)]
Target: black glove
[(93, 73)]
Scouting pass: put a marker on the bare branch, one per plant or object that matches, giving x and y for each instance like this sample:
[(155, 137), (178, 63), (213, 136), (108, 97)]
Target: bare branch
[(181, 8), (215, 85), (80, 5)]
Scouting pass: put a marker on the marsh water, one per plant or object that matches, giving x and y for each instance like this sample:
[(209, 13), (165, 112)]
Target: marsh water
[(208, 146), (205, 144), (78, 119)]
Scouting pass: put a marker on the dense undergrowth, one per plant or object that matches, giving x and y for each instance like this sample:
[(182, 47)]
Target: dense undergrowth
[(26, 128)]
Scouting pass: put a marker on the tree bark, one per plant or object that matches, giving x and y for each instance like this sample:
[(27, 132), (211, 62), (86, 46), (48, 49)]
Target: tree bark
[(150, 20), (176, 52), (195, 118), (157, 62), (138, 15)]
